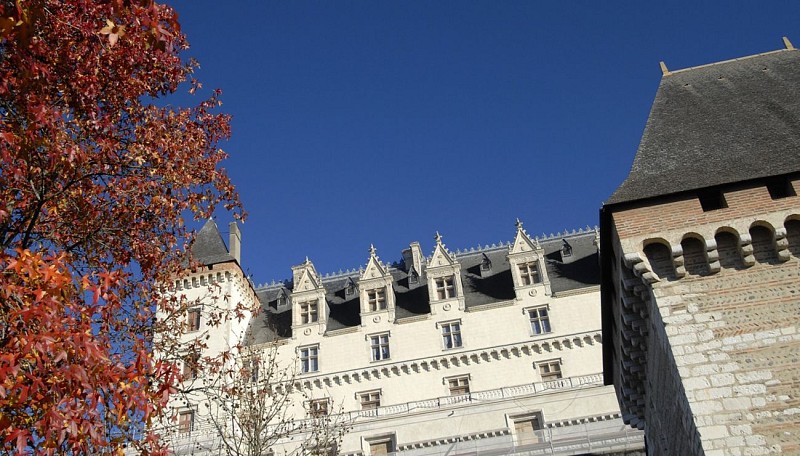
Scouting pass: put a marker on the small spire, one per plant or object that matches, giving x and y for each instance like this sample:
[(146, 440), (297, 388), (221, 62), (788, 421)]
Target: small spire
[(664, 69), (371, 250), (438, 237), (787, 43)]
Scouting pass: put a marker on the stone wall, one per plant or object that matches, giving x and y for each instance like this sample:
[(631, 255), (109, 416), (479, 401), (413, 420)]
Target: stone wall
[(719, 293)]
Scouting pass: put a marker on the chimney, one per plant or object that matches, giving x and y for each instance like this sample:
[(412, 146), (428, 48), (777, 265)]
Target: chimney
[(412, 257), (235, 242)]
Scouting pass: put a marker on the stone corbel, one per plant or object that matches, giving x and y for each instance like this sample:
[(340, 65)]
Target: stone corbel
[(781, 244), (746, 246), (678, 261), (712, 255)]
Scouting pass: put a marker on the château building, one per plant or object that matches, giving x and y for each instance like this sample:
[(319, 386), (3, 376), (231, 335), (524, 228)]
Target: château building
[(701, 263), (491, 350)]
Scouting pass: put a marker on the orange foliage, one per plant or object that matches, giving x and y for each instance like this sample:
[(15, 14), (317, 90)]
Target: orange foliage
[(94, 182)]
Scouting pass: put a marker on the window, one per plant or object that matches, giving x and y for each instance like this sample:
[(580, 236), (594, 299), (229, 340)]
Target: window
[(486, 264), (566, 249), (281, 301), (380, 346), (370, 400), (376, 299), (309, 359), (458, 385), (193, 320), (351, 288), (381, 447), (445, 288), (711, 199), (318, 407), (451, 335), (413, 277), (550, 370), (525, 429), (308, 312), (528, 273), (190, 366), (540, 320), (186, 421)]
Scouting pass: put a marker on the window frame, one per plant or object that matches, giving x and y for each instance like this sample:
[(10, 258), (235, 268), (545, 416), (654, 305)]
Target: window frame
[(462, 382), (529, 273), (451, 334), (376, 299), (319, 408), (307, 357), (445, 287), (193, 320), (377, 343), (309, 312), (186, 426), (544, 324), (370, 400), (520, 437), (551, 374), (190, 370)]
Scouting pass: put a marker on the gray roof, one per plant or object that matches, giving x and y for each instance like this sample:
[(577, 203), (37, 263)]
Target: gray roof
[(208, 247), (579, 270), (719, 124)]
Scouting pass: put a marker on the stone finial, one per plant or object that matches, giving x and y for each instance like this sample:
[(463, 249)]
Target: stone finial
[(438, 238), (372, 250), (518, 224)]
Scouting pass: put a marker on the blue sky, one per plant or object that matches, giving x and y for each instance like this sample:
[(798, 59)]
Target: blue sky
[(360, 122)]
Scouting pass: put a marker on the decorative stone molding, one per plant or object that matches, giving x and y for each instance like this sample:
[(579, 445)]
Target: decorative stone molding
[(444, 361)]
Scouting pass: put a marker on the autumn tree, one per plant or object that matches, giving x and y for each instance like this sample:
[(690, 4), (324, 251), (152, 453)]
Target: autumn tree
[(258, 404), (97, 178)]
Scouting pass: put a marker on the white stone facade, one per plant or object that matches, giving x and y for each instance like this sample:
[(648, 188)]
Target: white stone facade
[(500, 355)]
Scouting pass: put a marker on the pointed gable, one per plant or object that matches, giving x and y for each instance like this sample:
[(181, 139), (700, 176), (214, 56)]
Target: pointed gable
[(522, 242), (208, 247), (441, 256), (375, 268), (305, 277)]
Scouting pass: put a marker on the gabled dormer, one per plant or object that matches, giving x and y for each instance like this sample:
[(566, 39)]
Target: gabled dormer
[(527, 261), (376, 292), (414, 261), (309, 309), (282, 300), (443, 274)]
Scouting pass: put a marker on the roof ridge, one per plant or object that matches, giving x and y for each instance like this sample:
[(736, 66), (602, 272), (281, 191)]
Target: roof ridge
[(722, 62)]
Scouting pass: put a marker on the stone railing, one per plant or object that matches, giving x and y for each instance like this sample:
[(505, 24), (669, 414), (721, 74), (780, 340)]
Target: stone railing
[(204, 433)]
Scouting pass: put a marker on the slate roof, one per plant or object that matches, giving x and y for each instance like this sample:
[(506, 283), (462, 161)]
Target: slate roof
[(208, 247), (718, 124), (579, 270)]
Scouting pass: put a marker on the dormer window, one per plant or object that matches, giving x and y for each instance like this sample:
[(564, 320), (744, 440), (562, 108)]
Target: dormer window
[(350, 289), (566, 249), (282, 301), (445, 288), (529, 273), (309, 313), (376, 299), (413, 277), (486, 264)]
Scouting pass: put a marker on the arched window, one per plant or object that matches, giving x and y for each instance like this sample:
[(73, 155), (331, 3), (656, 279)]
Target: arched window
[(793, 236), (694, 256), (660, 258), (728, 249), (763, 245)]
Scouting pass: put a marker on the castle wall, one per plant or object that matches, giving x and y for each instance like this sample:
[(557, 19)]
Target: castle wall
[(722, 318)]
